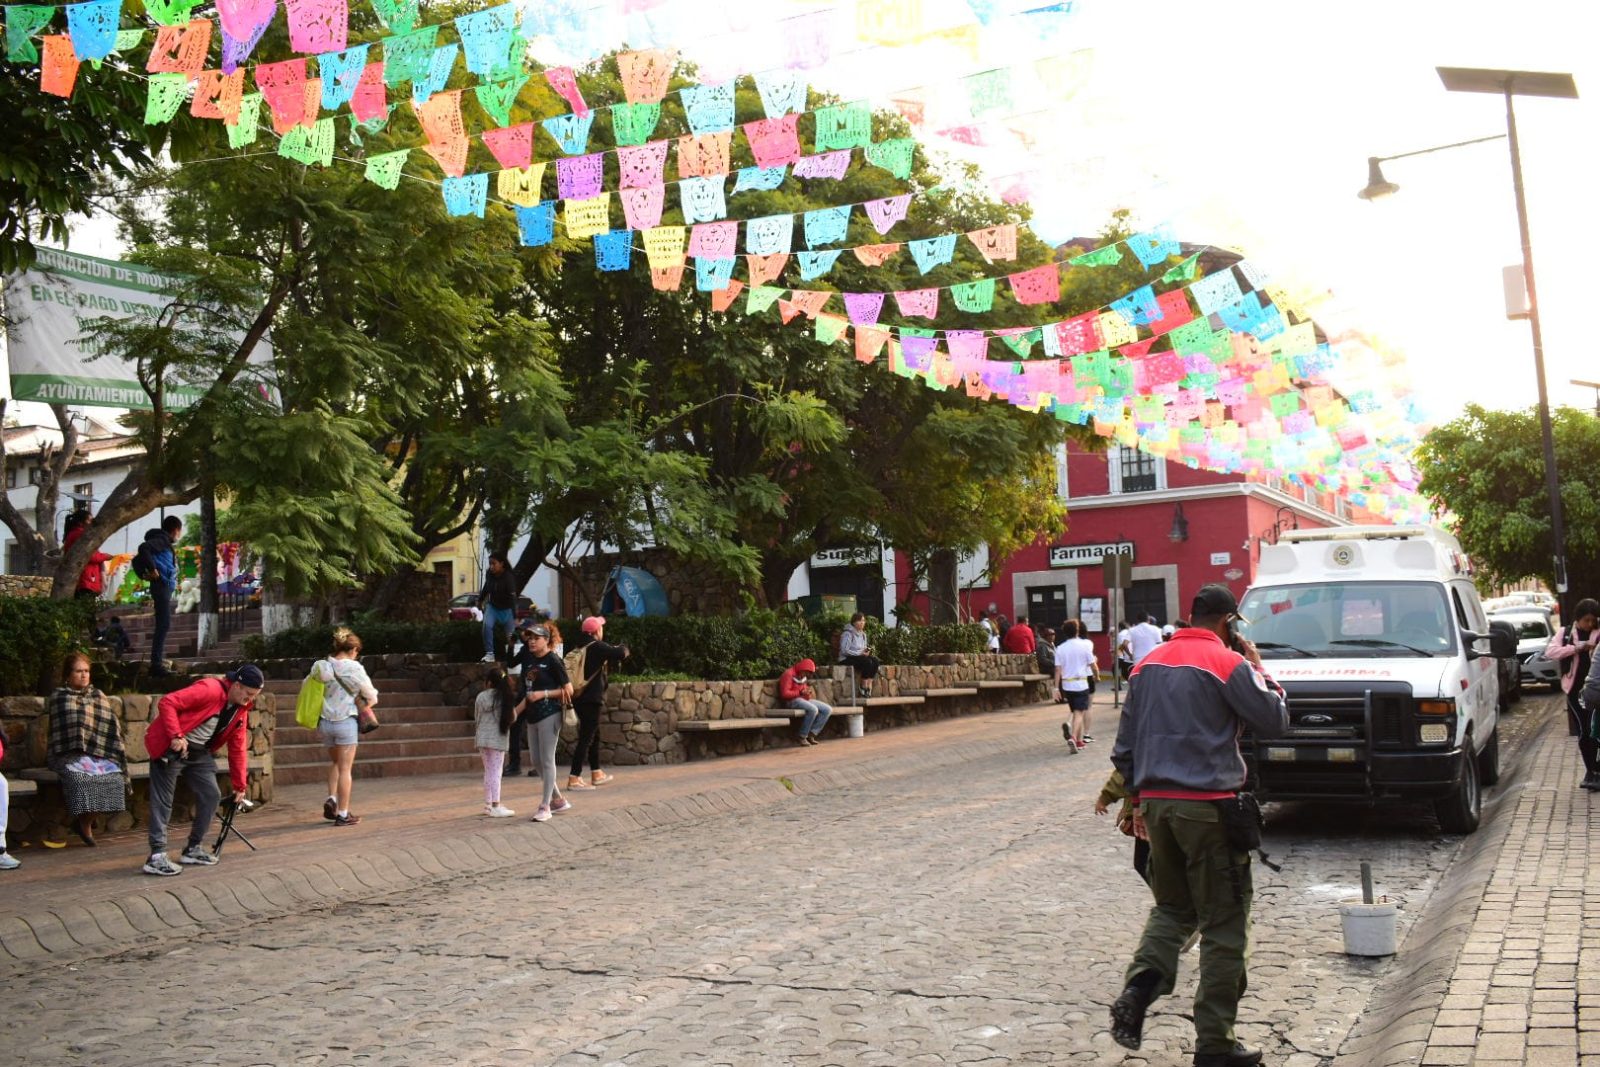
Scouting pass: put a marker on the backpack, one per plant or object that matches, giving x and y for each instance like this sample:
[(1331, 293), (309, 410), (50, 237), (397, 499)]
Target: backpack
[(308, 705), (574, 662), (144, 565)]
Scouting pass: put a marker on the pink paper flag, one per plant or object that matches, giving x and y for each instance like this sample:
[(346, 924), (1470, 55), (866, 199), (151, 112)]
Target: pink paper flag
[(512, 146), (764, 269), (996, 243), (282, 86), (888, 211), (642, 165), (1174, 309), (1041, 285), (317, 26), (827, 165), (1078, 335), (371, 98), (242, 18), (565, 83), (923, 302), (642, 206), (714, 240), (875, 255), (967, 344), (863, 308), (774, 142)]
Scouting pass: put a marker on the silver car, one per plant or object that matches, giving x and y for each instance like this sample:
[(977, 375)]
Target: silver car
[(1534, 630)]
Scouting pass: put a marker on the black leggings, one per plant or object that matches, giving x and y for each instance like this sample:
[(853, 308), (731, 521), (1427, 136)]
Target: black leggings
[(588, 739), (1588, 747), (866, 666)]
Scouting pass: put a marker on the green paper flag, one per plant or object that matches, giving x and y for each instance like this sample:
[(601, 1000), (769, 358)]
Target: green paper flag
[(408, 57), (760, 298), (497, 98), (244, 131), (170, 12), (893, 156), (1284, 404), (632, 124), (164, 96), (309, 146), (842, 127), (1109, 256), (1184, 271), (384, 170), (830, 327), (22, 23), (1022, 343), (400, 16), (974, 296)]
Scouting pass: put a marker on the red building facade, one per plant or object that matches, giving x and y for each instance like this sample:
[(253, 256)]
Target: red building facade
[(1184, 527)]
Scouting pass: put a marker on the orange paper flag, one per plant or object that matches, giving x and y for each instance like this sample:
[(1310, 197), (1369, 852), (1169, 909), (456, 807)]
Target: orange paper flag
[(59, 67), (722, 299), (764, 269)]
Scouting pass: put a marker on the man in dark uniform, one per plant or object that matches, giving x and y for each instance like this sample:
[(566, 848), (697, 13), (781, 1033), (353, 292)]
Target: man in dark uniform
[(1178, 750)]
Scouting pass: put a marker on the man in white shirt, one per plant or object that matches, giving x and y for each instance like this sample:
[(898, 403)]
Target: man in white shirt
[(1143, 639), (1075, 665), (1121, 652)]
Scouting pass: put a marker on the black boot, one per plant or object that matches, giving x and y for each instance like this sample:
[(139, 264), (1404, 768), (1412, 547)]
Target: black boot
[(1238, 1056), (1127, 1011)]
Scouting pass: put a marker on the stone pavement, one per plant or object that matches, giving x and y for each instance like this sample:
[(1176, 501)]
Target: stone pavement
[(939, 894)]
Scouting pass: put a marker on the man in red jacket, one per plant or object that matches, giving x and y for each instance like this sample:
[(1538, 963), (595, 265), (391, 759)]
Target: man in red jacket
[(1020, 639), (190, 726)]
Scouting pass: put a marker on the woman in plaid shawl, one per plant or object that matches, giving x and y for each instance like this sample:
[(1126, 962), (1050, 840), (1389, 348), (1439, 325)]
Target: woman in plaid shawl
[(86, 749)]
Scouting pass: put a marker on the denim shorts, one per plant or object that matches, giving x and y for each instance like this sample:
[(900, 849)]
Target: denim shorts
[(340, 732)]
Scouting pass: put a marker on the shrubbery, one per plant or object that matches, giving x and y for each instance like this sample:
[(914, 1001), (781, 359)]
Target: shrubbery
[(35, 635), (758, 644)]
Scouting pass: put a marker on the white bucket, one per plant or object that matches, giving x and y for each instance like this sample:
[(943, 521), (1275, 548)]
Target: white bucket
[(858, 725), (1369, 929)]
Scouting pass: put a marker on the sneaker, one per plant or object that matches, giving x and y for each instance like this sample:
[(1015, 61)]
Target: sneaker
[(1066, 732), (1072, 748), (1088, 740), (197, 856), (575, 781), (8, 862), (489, 658), (599, 778), (158, 864), (534, 773), (542, 815), (330, 809), (561, 804), (346, 820), (499, 811), (1590, 781)]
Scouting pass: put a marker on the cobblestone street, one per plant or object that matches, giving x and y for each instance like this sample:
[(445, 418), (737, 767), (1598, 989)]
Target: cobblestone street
[(974, 911)]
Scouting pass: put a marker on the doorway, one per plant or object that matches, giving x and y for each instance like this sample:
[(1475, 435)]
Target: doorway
[(1146, 596), (1047, 607)]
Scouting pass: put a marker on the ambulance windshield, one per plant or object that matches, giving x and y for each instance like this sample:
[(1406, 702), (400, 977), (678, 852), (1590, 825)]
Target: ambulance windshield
[(1349, 620)]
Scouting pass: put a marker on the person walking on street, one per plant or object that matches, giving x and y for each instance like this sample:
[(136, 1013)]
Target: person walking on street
[(158, 550), (1075, 663), (590, 697), (498, 602), (794, 689), (1573, 646), (855, 652), (495, 709), (545, 687), (190, 726), (347, 689), (1143, 639), (1124, 650), (1178, 751)]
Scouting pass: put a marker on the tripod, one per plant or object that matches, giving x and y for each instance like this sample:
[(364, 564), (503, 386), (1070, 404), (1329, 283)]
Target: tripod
[(229, 810)]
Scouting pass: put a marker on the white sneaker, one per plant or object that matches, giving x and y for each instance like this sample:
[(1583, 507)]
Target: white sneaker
[(487, 659), (158, 864), (500, 811), (197, 856), (542, 815), (8, 862)]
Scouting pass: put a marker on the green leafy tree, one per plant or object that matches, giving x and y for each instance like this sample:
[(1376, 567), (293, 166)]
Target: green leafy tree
[(1487, 469)]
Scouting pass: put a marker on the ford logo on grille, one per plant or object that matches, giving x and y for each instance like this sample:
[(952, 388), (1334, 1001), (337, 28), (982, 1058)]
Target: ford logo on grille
[(1317, 720)]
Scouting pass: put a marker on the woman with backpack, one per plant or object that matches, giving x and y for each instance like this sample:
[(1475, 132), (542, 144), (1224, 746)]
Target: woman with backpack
[(588, 664), (348, 688), (495, 709), (1573, 647)]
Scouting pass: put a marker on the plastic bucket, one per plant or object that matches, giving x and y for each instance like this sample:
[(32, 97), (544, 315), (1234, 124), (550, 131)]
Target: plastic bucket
[(1369, 929), (858, 725)]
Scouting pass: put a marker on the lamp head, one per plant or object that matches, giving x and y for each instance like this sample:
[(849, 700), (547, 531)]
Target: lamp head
[(1377, 185)]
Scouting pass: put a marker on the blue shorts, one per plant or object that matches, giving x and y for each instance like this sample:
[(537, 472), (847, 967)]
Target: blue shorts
[(340, 732), (1077, 699)]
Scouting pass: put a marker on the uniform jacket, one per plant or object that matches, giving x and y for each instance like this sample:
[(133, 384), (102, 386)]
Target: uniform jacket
[(1187, 701)]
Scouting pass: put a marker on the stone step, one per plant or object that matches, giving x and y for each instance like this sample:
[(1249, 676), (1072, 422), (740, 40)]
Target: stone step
[(291, 686), (367, 766), (376, 746), (396, 715), (295, 736), (387, 698)]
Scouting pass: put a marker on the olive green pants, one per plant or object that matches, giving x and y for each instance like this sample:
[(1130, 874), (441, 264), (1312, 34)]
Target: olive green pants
[(1199, 882)]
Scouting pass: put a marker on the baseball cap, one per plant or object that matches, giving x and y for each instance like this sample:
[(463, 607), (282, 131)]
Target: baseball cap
[(1215, 600), (535, 631), (249, 676), (592, 624)]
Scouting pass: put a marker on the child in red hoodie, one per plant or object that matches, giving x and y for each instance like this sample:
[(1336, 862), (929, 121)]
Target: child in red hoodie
[(794, 689)]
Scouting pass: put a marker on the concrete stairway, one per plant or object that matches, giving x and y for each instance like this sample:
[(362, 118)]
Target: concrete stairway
[(420, 735)]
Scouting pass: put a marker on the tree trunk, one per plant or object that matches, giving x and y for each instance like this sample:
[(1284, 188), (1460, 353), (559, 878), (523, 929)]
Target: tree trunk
[(944, 604), (209, 631)]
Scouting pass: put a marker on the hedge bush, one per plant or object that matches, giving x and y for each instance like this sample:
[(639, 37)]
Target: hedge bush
[(35, 635), (758, 644)]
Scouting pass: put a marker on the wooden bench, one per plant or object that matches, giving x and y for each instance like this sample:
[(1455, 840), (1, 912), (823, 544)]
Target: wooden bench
[(951, 691), (999, 683), (886, 702), (717, 725)]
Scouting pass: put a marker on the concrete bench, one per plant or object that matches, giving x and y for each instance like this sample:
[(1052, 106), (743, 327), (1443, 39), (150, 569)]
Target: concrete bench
[(137, 772), (999, 683), (717, 725), (19, 787), (1026, 677), (950, 691), (887, 702)]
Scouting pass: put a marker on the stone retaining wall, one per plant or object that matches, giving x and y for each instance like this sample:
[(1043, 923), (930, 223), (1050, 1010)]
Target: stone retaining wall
[(24, 585), (25, 722)]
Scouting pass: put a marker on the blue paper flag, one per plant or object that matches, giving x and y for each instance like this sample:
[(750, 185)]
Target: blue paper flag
[(537, 224), (816, 264), (93, 27), (466, 195), (709, 107), (702, 199), (486, 37), (1153, 246), (933, 252), (769, 235), (571, 132), (614, 250), (827, 225), (782, 91), (712, 274), (1138, 308), (1215, 291), (341, 73), (1242, 314), (444, 60), (760, 179)]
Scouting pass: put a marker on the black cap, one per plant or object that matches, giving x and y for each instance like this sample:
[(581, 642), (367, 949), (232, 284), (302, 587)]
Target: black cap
[(1214, 601), (249, 676)]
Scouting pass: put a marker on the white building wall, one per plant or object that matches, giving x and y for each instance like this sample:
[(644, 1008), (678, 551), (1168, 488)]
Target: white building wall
[(104, 479)]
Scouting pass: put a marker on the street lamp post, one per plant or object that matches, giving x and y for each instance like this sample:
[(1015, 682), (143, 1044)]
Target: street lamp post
[(1511, 84)]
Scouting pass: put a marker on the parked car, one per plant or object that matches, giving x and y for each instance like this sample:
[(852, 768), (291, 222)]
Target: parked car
[(464, 608), (1509, 667), (1534, 630)]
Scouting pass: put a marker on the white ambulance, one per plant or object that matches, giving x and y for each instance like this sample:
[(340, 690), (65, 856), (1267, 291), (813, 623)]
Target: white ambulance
[(1380, 642)]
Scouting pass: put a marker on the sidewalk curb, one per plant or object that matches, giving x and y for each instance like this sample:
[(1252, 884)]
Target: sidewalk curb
[(216, 901), (1399, 1015)]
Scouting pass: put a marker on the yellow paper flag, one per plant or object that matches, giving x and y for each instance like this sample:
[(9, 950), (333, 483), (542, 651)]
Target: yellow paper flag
[(520, 185), (585, 218)]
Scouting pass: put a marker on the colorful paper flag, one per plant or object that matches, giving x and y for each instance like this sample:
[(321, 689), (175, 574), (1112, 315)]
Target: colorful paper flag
[(996, 242), (713, 274), (919, 302), (537, 225), (708, 108), (580, 177), (587, 217), (714, 240), (613, 251), (767, 268), (317, 25), (243, 131), (632, 124), (816, 264), (498, 97), (1041, 285), (565, 83), (511, 146), (842, 127), (1153, 246), (782, 92), (893, 156), (826, 225), (92, 26), (164, 95), (829, 165), (663, 246), (645, 74), (974, 296), (520, 185), (570, 131), (23, 23), (933, 251), (703, 199), (642, 206), (863, 308), (875, 255), (769, 234), (486, 37), (886, 212), (180, 49), (760, 179), (774, 142), (704, 155)]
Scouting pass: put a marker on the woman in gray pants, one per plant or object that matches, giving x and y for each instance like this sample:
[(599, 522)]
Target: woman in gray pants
[(544, 688)]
